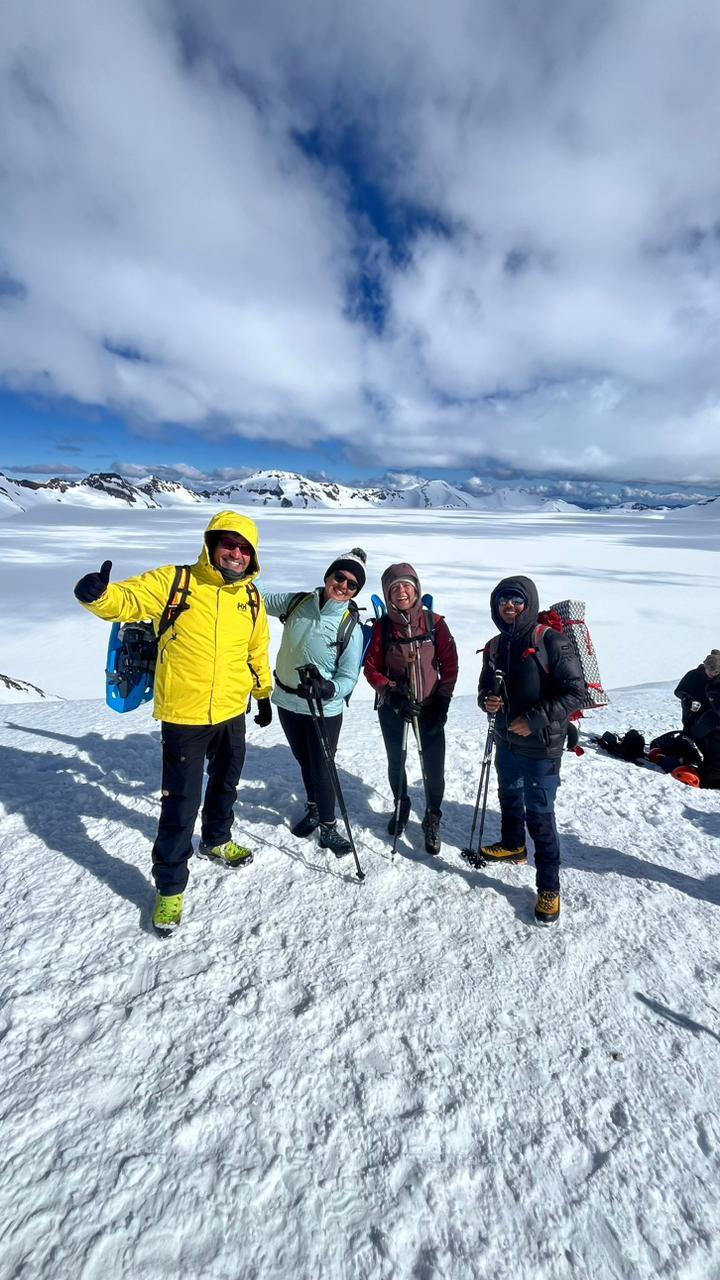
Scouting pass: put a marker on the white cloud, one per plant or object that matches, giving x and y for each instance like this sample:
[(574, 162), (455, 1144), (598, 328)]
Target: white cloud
[(20, 471), (166, 471), (566, 321)]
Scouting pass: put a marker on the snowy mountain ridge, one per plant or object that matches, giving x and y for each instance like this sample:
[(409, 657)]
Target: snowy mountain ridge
[(290, 490), (266, 488), (12, 690)]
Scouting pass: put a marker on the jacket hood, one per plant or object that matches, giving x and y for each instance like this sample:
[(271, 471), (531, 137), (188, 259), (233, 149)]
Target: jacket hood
[(395, 573), (232, 522), (529, 615)]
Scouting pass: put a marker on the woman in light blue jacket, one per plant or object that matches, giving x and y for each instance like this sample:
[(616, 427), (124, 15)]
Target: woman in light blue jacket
[(318, 631)]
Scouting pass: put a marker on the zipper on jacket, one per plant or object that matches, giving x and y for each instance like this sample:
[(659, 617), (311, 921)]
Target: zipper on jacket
[(212, 682)]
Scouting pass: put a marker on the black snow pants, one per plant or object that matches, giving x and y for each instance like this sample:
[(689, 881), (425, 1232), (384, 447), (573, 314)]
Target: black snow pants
[(185, 747)]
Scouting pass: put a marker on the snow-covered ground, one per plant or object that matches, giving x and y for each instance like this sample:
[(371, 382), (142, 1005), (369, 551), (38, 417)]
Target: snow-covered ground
[(650, 581), (402, 1079)]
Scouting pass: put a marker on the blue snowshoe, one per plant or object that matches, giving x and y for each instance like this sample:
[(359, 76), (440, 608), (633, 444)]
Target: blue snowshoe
[(130, 670)]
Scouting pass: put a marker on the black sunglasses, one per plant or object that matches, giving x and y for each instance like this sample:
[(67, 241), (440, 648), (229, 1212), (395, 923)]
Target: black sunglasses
[(339, 576)]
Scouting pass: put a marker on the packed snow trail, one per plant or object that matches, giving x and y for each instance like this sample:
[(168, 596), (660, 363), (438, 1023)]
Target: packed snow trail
[(317, 1078)]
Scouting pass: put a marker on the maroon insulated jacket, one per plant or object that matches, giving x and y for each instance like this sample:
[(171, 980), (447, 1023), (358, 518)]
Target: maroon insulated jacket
[(445, 660)]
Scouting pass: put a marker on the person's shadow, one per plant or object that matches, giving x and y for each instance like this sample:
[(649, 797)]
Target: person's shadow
[(271, 791), (675, 1018), (707, 822), (134, 757), (602, 861), (52, 793)]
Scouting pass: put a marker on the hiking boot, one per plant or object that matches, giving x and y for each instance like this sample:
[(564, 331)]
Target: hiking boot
[(547, 908), (230, 853), (307, 824), (498, 852), (330, 838), (431, 827), (167, 913), (403, 816)]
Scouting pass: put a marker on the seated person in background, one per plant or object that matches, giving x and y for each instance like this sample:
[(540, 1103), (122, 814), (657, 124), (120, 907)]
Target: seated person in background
[(705, 732), (691, 689)]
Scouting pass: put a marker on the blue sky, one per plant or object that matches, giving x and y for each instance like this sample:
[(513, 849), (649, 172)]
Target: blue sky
[(468, 240), (52, 437)]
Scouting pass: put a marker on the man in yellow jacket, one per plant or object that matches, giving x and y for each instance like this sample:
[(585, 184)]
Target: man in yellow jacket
[(211, 658)]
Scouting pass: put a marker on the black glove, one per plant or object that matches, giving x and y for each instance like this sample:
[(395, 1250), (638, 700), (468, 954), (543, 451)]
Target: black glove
[(94, 585), (435, 713), (403, 705), (313, 685), (264, 712)]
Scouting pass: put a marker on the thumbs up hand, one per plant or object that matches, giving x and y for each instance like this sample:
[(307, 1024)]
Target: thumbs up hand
[(94, 585)]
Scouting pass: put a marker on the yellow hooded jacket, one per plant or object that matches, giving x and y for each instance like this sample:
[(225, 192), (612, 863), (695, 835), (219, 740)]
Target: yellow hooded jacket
[(212, 657)]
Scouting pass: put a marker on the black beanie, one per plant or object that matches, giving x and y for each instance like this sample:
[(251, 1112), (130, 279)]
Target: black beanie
[(353, 562)]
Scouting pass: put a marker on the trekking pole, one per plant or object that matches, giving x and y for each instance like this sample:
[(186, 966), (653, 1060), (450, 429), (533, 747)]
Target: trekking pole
[(416, 731), (398, 798), (469, 853), (415, 695), (316, 711)]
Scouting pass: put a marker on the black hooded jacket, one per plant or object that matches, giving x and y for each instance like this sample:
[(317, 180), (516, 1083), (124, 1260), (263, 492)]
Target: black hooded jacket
[(545, 698), (705, 731), (692, 689)]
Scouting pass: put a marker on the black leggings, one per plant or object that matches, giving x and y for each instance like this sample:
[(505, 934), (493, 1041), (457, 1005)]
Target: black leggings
[(303, 741), (433, 748)]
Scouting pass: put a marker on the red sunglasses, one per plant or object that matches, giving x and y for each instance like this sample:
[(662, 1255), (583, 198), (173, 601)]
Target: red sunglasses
[(232, 544)]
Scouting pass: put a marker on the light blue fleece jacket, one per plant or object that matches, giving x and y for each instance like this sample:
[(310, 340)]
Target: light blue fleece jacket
[(309, 635)]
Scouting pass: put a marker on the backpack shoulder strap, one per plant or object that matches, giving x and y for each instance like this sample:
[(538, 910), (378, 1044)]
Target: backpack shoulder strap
[(539, 647), (253, 596), (177, 599), (430, 620), (293, 603), (348, 623), (491, 648)]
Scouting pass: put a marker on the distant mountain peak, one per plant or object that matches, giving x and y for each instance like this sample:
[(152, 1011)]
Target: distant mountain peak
[(290, 490), (12, 690)]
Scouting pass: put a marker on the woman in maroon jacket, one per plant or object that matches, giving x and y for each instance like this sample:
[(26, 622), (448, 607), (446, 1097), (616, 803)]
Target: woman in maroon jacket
[(412, 666)]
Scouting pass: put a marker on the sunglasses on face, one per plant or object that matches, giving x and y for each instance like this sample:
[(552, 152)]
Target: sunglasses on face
[(517, 601), (232, 544), (341, 577)]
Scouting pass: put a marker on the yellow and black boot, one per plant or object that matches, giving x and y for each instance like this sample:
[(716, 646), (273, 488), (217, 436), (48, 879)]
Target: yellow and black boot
[(547, 908), (498, 852)]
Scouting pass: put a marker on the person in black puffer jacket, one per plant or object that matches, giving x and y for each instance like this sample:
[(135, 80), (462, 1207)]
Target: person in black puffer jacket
[(692, 687), (705, 732), (543, 684)]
